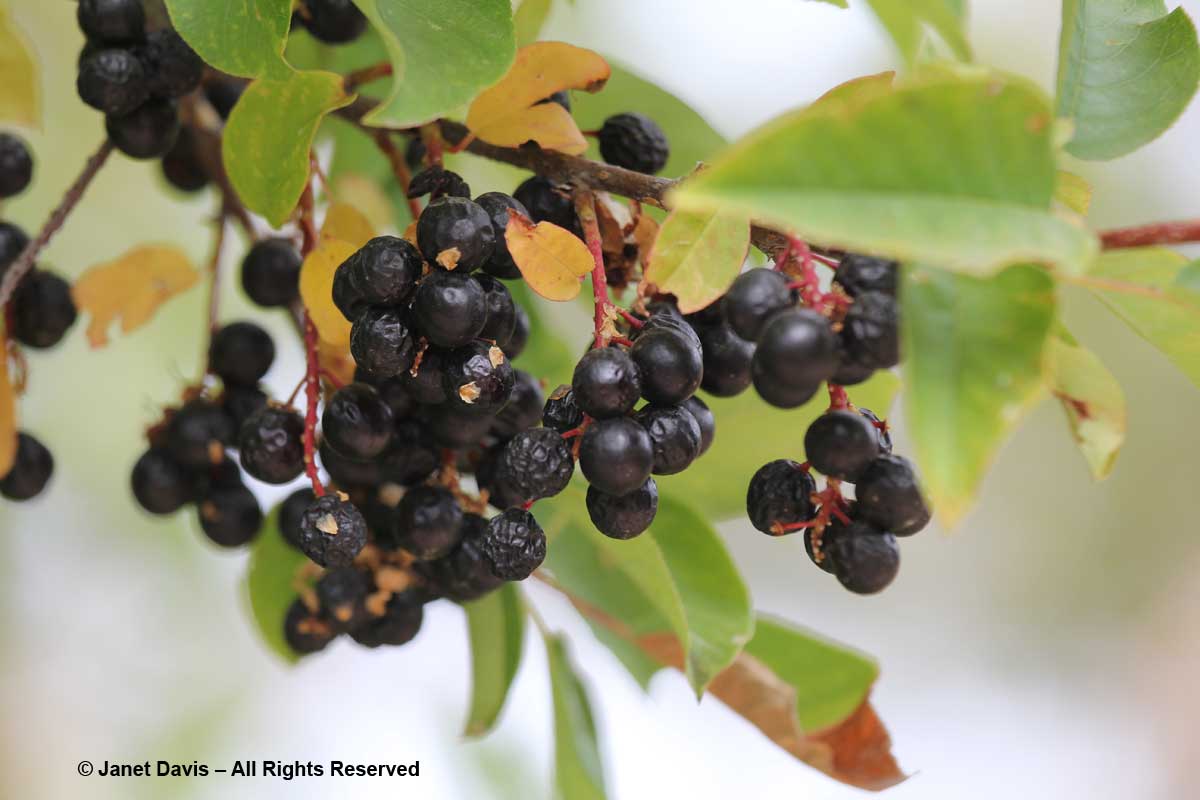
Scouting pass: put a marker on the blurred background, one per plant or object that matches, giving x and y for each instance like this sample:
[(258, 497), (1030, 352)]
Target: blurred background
[(1046, 649)]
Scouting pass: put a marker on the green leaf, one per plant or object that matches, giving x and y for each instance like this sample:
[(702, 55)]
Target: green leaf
[(974, 363), (830, 680), (637, 663), (697, 255), (907, 21), (269, 135), (1093, 401), (496, 625), (749, 434), (957, 171), (675, 585), (528, 20), (1073, 192), (578, 769), (1189, 277), (443, 53), (1142, 289), (270, 585), (241, 37), (1126, 71)]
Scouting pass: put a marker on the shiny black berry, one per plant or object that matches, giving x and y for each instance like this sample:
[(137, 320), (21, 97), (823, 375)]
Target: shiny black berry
[(342, 597), (333, 21), (520, 335), (181, 166), (671, 367), (198, 433), (463, 573), (160, 483), (497, 206), (674, 436), (524, 408), (348, 473), (560, 412), (548, 202), (113, 81), (780, 492), (304, 631), (357, 422), (513, 545), (229, 515), (382, 342), (606, 383), (864, 559), (616, 455), (450, 308), (291, 514), (753, 298), (16, 165), (42, 310), (383, 272), (536, 463), (393, 391), (779, 394), (704, 417), (271, 445), (478, 378), (112, 21), (457, 428), (437, 181), (456, 234), (727, 358), (223, 93), (31, 469), (501, 310), (242, 402), (241, 353), (671, 321), (634, 141), (172, 68), (881, 428), (796, 348), (148, 131), (849, 372), (623, 516), (841, 444), (889, 496), (332, 531), (399, 624), (428, 522), (857, 274), (426, 385), (871, 332), (271, 273)]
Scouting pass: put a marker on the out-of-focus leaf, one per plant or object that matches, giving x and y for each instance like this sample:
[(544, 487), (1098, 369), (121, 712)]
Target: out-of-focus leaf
[(366, 196), (131, 288), (908, 21), (496, 625), (528, 20), (443, 53), (511, 113), (1093, 401), (857, 89), (578, 769), (8, 411), (1189, 277), (973, 364), (1126, 71), (697, 255), (552, 260), (241, 37), (269, 135), (1073, 192), (316, 290), (909, 174), (271, 585), (19, 91), (344, 221)]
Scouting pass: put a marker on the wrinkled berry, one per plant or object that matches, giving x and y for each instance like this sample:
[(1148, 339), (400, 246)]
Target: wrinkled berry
[(383, 272), (560, 412), (524, 408), (780, 492), (871, 330), (428, 522), (462, 574), (172, 68), (704, 417), (332, 531), (478, 378), (113, 81), (514, 545), (857, 274), (536, 463), (382, 342), (674, 437), (634, 141)]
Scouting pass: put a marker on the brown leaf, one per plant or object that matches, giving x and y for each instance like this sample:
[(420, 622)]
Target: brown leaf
[(131, 288), (8, 412), (613, 219), (552, 260)]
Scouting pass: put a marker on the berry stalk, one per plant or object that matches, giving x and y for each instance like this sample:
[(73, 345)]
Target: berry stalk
[(312, 386), (585, 208), (383, 140)]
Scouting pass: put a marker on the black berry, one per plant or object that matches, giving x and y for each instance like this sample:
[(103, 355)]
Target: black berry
[(456, 234), (198, 433), (514, 545), (671, 367), (342, 597), (857, 274), (160, 484), (113, 81), (560, 412), (520, 335), (623, 516), (456, 428), (881, 428), (796, 348), (890, 498), (841, 444), (348, 473), (148, 131), (332, 531), (291, 514), (31, 469), (436, 181), (674, 436), (704, 417), (727, 358), (524, 408), (399, 624), (242, 402), (271, 273), (616, 455), (634, 141), (229, 515), (42, 310), (501, 310), (304, 631), (450, 308), (497, 206), (478, 377), (753, 298), (870, 330), (535, 464), (241, 353), (357, 422), (548, 202), (780, 492), (428, 522), (382, 342), (16, 165), (223, 93), (172, 68), (271, 445), (864, 559), (181, 165), (426, 385), (112, 21), (383, 272), (606, 383), (463, 574), (778, 394), (12, 241), (333, 21)]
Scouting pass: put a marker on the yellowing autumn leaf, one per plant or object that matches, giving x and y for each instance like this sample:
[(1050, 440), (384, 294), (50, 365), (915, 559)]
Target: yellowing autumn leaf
[(552, 260), (131, 288), (510, 114), (19, 89), (366, 196), (8, 413), (344, 221), (697, 255), (316, 289)]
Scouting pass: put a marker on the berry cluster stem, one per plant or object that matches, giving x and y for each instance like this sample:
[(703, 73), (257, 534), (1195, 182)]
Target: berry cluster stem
[(383, 140), (369, 74), (24, 263), (312, 387), (1180, 232), (585, 209)]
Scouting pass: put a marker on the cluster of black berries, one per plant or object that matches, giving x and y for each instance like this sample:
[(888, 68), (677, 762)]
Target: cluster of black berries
[(189, 459), (38, 315), (134, 77)]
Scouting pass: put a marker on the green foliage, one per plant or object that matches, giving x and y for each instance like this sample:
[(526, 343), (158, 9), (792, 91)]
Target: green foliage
[(496, 624), (270, 584), (241, 37), (909, 174), (830, 680), (1126, 71), (1143, 291), (697, 255), (578, 769), (974, 362), (908, 21), (443, 53), (1092, 400), (268, 137)]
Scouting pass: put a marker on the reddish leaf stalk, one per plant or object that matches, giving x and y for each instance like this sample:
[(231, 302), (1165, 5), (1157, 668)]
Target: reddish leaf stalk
[(1179, 232), (383, 139), (366, 75), (585, 208)]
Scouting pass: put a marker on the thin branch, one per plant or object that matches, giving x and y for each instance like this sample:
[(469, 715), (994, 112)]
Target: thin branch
[(1180, 232), (360, 77), (383, 139), (24, 263)]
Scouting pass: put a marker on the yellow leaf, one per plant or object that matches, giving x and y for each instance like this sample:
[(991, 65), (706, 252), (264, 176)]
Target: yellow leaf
[(344, 221), (1073, 192), (552, 259), (19, 88), (365, 195), (8, 413), (509, 113), (316, 289), (131, 288), (697, 255)]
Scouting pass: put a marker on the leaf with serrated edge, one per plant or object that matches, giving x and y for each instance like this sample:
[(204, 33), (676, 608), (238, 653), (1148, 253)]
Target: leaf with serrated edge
[(316, 289), (19, 89), (578, 769), (697, 255), (956, 170), (269, 135), (973, 365), (496, 626), (131, 288), (443, 53), (552, 260), (8, 412), (270, 585), (1093, 402), (1126, 71), (241, 37), (511, 113)]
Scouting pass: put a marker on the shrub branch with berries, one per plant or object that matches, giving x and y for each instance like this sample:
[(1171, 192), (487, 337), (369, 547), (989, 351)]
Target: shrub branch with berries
[(746, 316)]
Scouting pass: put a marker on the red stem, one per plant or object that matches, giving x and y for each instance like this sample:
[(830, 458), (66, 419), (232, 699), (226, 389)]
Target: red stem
[(838, 397), (633, 321), (585, 208), (1155, 233), (312, 388), (383, 139)]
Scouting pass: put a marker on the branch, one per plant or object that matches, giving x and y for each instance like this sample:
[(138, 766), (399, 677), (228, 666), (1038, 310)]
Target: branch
[(1179, 232), (24, 263)]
